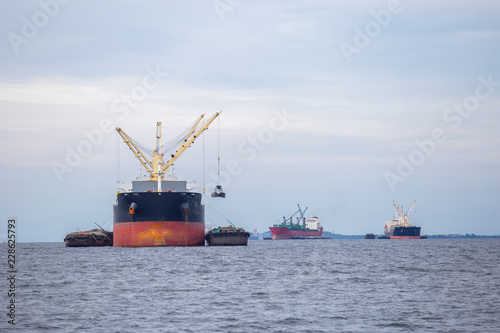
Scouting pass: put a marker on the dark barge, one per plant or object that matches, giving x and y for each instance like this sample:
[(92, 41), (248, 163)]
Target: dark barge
[(94, 237), (227, 236)]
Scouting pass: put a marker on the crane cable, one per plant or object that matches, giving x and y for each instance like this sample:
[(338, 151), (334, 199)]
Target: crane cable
[(218, 151), (118, 167), (203, 162), (225, 218)]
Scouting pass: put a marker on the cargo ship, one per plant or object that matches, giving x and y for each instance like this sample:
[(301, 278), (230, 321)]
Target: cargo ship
[(302, 229), (157, 211), (400, 226)]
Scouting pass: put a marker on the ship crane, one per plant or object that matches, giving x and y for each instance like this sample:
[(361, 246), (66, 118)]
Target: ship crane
[(290, 218), (302, 218), (157, 167), (401, 216)]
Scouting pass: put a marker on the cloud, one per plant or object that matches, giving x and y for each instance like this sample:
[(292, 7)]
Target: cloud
[(352, 121)]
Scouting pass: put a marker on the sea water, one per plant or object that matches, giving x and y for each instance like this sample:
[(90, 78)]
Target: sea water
[(268, 286)]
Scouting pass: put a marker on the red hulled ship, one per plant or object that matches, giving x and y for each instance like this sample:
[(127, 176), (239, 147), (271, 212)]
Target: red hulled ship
[(302, 229)]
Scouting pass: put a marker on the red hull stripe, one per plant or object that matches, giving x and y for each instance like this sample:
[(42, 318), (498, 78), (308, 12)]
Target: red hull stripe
[(405, 237), (285, 233), (158, 233)]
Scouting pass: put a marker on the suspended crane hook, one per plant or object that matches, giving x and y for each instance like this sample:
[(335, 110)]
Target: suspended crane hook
[(218, 192)]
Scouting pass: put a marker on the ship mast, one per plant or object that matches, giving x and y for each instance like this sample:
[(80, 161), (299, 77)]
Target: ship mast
[(157, 167), (158, 157), (302, 218)]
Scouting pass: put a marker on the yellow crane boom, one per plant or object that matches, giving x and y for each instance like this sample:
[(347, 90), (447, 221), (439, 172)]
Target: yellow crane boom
[(157, 167), (188, 141), (137, 152)]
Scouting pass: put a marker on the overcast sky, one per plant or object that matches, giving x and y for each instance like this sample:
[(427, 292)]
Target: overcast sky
[(341, 107)]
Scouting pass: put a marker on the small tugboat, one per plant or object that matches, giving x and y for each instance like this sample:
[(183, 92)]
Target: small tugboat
[(370, 236), (94, 237), (227, 236)]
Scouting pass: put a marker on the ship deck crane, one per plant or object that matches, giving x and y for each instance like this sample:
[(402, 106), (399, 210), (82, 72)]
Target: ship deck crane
[(302, 218), (401, 216), (157, 167), (290, 218)]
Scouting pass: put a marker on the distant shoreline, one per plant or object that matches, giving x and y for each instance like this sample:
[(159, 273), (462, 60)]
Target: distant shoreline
[(439, 236), (339, 236)]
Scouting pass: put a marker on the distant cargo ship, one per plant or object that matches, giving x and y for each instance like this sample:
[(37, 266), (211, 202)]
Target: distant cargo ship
[(303, 228), (400, 226)]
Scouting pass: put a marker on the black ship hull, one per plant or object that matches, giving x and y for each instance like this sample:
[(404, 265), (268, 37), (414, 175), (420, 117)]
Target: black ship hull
[(406, 233), (158, 219)]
